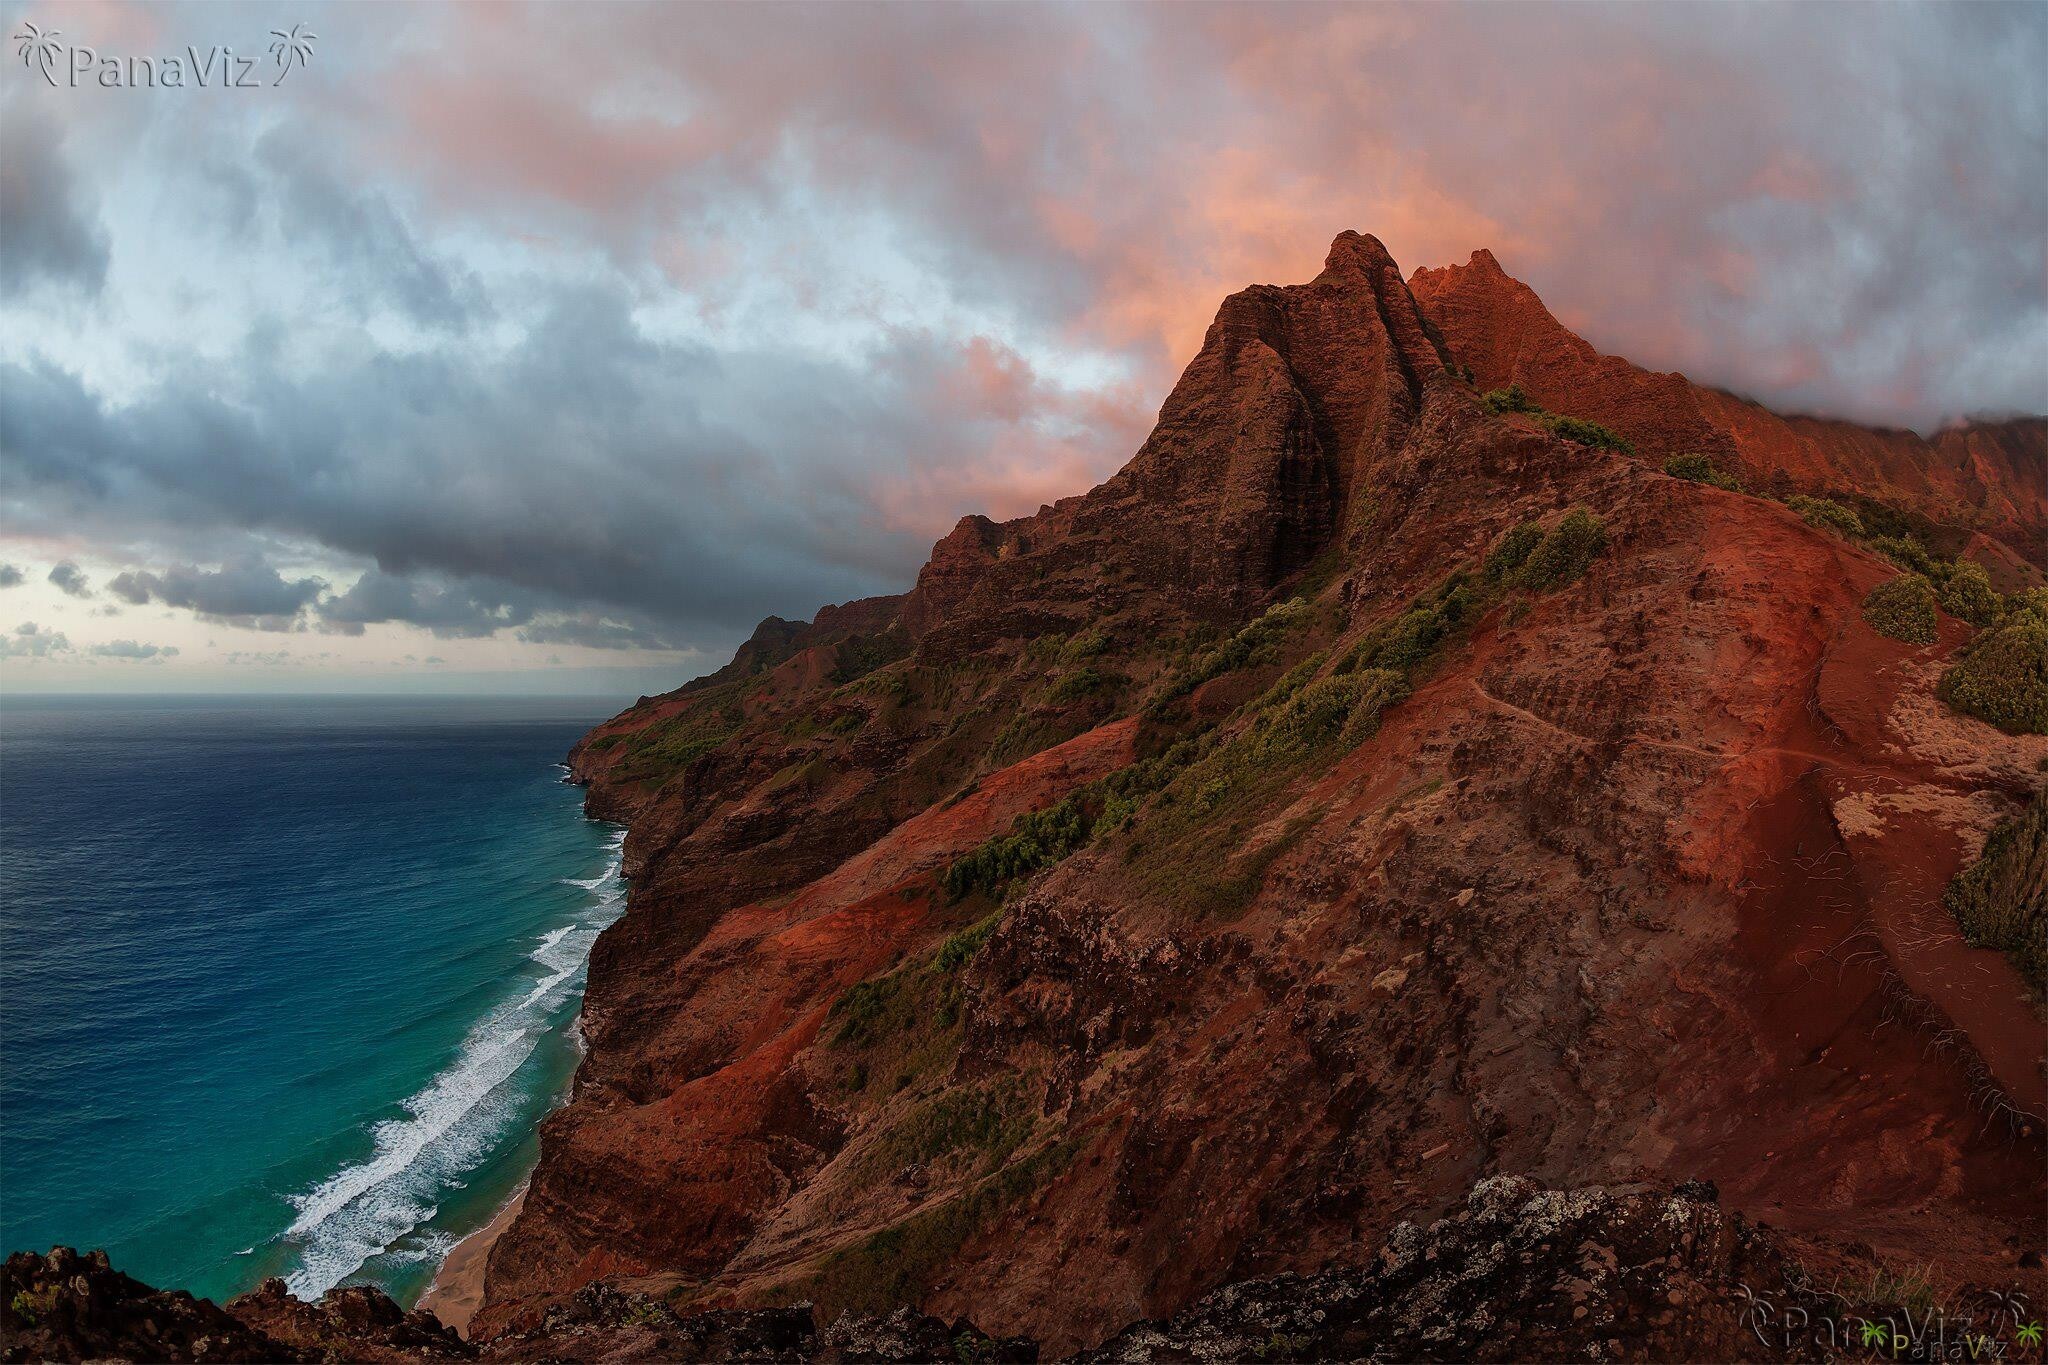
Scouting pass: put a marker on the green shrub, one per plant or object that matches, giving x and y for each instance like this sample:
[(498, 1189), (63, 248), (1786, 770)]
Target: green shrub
[(959, 949), (988, 1122), (1565, 553), (1084, 682), (2034, 600), (1509, 552), (1378, 689), (859, 655), (681, 740), (1967, 595), (897, 1264), (1038, 839), (1314, 715), (1412, 637), (1257, 643), (1510, 399), (1700, 469), (1828, 515), (2001, 900), (1902, 608), (1586, 433), (1085, 645), (1910, 555), (2002, 677)]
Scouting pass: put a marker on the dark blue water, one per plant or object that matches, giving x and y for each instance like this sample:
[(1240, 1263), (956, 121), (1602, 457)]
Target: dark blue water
[(285, 983)]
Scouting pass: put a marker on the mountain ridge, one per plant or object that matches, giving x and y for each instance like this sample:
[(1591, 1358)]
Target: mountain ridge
[(1442, 755), (1320, 445)]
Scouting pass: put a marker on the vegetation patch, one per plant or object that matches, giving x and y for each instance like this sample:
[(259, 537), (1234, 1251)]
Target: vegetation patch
[(1511, 551), (982, 1124), (1084, 682), (859, 655), (1585, 433), (2001, 900), (1966, 594), (1037, 840), (1513, 398), (896, 1265), (1701, 469), (1564, 553), (903, 1025), (1902, 608), (1256, 644), (2002, 677), (1828, 515), (661, 750)]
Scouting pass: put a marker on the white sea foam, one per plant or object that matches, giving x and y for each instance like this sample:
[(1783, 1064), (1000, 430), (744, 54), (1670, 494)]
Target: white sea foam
[(456, 1120)]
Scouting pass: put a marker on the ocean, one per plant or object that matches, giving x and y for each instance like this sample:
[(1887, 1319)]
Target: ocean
[(286, 984)]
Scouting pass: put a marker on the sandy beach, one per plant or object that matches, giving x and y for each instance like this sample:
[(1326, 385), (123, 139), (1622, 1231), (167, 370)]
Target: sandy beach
[(458, 1286)]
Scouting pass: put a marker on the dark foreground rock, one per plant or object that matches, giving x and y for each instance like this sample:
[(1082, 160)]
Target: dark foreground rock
[(1520, 1273), (65, 1306)]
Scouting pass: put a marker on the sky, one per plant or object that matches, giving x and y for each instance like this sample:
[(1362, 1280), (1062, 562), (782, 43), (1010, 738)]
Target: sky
[(549, 348)]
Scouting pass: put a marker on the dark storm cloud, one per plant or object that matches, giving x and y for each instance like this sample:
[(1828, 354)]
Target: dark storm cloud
[(489, 347), (450, 612), (363, 237), (245, 592), (48, 231), (587, 465), (593, 632), (10, 575), (70, 580)]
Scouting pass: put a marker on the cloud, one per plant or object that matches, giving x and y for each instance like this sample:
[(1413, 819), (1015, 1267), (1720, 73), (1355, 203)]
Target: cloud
[(589, 466), (129, 649), (1844, 217), (31, 642), (10, 575), (245, 592), (70, 580), (593, 632), (52, 235), (449, 612), (362, 236), (746, 327)]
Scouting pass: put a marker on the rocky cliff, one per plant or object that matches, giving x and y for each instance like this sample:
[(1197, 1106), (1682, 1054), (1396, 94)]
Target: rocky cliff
[(1442, 754), (1191, 881)]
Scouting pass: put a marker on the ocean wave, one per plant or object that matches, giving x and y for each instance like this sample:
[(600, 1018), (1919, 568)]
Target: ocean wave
[(452, 1124)]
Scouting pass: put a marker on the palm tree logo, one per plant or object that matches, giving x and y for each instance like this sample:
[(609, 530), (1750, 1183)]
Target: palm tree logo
[(39, 49), (2029, 1334), (295, 46)]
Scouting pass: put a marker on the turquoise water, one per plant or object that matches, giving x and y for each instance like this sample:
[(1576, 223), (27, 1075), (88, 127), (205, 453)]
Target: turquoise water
[(285, 983)]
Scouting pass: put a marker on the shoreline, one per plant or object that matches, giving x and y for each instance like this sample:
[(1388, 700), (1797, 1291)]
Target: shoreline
[(458, 1287)]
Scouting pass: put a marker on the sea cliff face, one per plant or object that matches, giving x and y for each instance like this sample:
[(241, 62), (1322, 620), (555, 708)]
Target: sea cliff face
[(1369, 790)]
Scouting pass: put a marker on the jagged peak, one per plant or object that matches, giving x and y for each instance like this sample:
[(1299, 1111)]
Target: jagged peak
[(1359, 249), (1484, 260)]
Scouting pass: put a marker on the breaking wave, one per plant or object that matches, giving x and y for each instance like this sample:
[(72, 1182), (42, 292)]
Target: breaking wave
[(455, 1121)]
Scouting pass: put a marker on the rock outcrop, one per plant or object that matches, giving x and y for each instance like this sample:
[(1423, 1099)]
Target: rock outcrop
[(1517, 1272), (1640, 881)]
